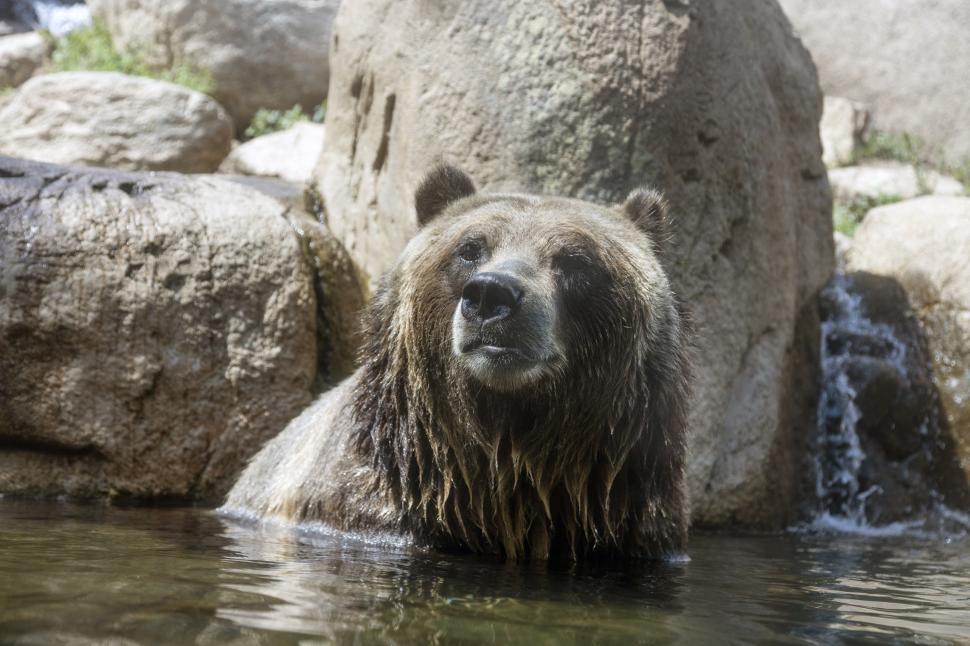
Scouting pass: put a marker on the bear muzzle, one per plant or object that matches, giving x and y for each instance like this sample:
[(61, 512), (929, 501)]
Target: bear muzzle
[(501, 334)]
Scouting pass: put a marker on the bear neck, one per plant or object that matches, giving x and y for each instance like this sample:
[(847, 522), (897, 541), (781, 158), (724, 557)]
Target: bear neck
[(531, 475)]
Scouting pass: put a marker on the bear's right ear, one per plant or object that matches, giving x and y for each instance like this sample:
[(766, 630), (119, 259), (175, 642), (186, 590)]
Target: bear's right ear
[(648, 210), (439, 188)]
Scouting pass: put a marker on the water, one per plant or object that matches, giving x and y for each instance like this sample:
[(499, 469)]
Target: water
[(842, 500), (101, 574), (59, 17)]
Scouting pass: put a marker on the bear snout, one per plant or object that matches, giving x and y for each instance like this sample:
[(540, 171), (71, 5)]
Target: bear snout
[(490, 297)]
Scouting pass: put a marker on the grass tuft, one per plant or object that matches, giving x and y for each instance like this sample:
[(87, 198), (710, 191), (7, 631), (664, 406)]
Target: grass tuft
[(91, 49), (267, 121), (910, 149), (848, 216), (889, 146), (961, 172)]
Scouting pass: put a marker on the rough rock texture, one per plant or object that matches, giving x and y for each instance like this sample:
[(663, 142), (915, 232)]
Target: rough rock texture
[(716, 103), (260, 53), (340, 288), (286, 193), (109, 119), (878, 382), (290, 155), (154, 329), (20, 56), (906, 59), (842, 128), (924, 244), (883, 179)]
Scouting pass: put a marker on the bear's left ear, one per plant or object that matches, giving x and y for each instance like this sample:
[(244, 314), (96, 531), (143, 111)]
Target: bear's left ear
[(648, 210), (439, 188)]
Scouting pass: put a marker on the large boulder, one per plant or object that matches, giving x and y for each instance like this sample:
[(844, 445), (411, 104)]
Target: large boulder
[(717, 105), (115, 120), (924, 244), (20, 56), (290, 154), (259, 53), (155, 329), (906, 59)]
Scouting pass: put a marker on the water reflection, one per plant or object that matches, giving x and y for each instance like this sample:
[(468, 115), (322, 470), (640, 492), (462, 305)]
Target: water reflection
[(401, 595), (90, 574), (918, 587)]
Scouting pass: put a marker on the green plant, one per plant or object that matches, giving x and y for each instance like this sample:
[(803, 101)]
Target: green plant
[(847, 216), (48, 37), (266, 121), (191, 77), (910, 149), (961, 172), (894, 146), (880, 145), (91, 49)]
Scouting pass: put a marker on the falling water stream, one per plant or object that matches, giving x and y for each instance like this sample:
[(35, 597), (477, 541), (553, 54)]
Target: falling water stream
[(842, 499)]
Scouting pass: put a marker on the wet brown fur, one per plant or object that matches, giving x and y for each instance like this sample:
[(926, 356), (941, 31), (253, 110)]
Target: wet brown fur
[(589, 461)]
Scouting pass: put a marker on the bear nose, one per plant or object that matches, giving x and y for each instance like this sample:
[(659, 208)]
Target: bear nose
[(490, 296)]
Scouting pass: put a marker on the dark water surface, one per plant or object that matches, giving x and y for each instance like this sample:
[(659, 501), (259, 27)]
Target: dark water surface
[(100, 574)]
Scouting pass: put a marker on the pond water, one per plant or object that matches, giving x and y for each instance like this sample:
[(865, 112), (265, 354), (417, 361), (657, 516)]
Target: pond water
[(134, 575)]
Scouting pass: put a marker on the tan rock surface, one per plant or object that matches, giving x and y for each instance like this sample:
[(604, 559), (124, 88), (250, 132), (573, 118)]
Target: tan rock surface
[(843, 125), (155, 329), (889, 179), (290, 154), (114, 120), (20, 56), (908, 60)]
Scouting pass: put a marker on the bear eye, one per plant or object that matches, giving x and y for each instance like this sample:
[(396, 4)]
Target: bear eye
[(571, 262), (470, 251)]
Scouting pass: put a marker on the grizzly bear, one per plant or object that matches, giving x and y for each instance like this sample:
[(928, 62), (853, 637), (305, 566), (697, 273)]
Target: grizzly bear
[(522, 392)]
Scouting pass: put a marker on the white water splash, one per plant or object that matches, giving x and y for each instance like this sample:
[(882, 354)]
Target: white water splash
[(829, 523), (60, 18)]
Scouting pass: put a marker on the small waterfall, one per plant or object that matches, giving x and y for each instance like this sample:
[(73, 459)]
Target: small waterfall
[(846, 334), (843, 488), (59, 17)]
